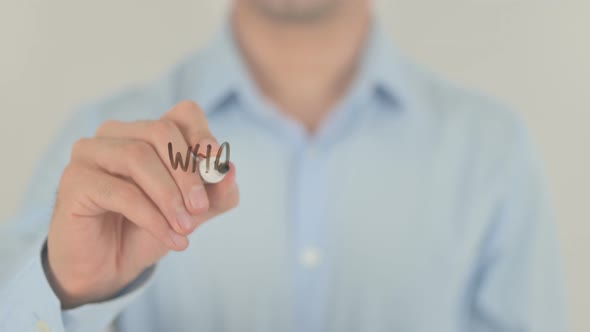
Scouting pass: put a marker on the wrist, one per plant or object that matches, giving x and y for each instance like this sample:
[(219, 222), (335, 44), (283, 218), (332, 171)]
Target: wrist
[(67, 300)]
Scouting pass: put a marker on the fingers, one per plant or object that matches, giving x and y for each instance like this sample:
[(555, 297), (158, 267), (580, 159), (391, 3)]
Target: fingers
[(173, 151), (102, 192), (180, 133), (184, 126), (138, 161), (186, 115), (190, 120), (223, 196)]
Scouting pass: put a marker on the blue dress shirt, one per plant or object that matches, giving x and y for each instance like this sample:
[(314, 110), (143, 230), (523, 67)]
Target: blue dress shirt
[(417, 206)]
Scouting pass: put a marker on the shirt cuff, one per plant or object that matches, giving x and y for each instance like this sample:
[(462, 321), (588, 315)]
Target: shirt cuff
[(28, 303), (97, 316)]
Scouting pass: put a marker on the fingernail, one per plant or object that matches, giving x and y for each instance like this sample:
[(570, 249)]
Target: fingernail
[(178, 239), (185, 220), (198, 198)]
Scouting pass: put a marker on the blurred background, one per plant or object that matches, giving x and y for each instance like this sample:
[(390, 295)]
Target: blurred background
[(531, 54)]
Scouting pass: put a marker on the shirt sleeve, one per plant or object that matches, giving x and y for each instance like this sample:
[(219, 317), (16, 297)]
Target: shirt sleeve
[(28, 302), (519, 282)]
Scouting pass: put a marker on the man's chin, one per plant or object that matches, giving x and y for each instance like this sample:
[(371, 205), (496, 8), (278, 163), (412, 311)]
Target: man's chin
[(296, 10)]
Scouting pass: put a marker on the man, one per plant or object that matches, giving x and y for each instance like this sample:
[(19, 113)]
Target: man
[(373, 196)]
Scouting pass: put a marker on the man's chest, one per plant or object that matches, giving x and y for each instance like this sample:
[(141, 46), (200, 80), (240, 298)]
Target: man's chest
[(391, 236)]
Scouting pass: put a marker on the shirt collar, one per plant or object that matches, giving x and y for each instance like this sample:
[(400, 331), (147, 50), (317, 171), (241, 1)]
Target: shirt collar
[(382, 67), (218, 73)]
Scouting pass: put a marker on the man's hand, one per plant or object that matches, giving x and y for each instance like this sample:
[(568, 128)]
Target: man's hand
[(121, 206)]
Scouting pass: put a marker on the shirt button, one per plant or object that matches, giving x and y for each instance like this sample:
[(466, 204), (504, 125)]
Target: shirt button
[(42, 327), (310, 257)]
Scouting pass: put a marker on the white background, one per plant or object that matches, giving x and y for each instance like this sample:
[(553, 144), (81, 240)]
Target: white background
[(531, 54)]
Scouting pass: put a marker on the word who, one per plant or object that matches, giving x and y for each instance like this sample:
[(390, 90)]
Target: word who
[(177, 159)]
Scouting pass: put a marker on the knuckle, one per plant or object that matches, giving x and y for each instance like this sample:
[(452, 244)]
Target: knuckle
[(106, 189), (106, 127), (69, 172), (138, 152), (71, 175), (128, 194), (188, 106), (164, 129), (80, 146)]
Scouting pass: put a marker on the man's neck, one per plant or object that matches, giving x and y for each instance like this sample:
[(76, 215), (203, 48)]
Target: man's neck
[(304, 69)]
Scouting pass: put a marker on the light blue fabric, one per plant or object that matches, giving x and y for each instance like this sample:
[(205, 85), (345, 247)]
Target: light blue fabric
[(418, 206)]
